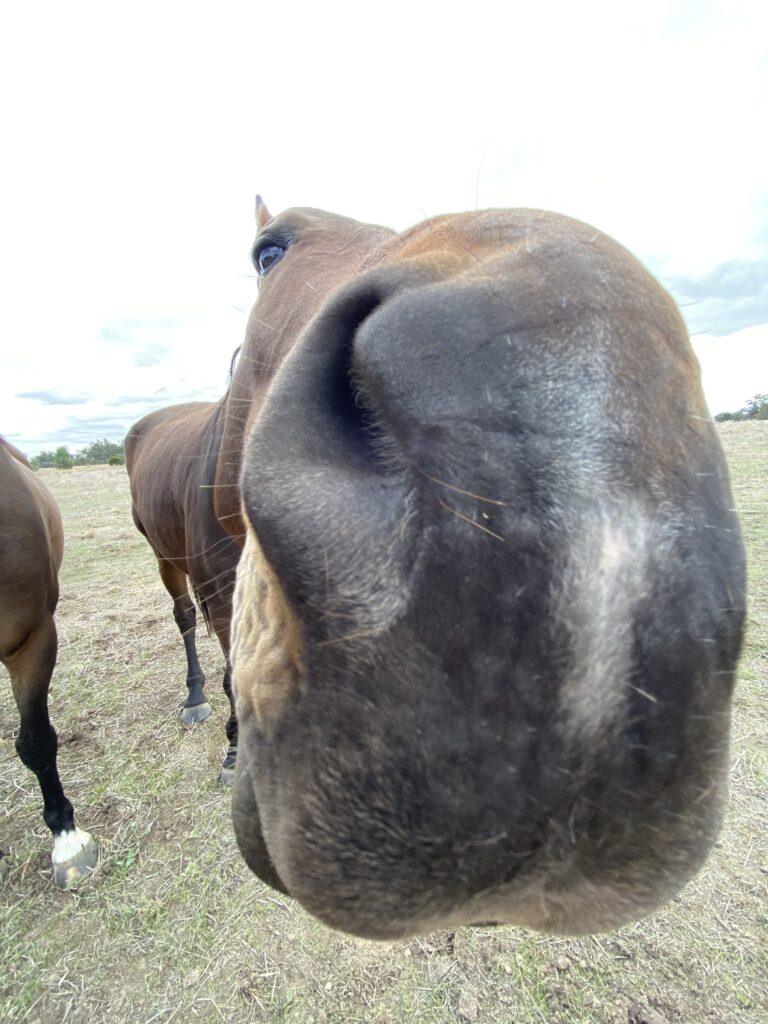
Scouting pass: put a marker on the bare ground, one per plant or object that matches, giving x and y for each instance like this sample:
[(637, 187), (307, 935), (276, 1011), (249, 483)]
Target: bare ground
[(174, 928)]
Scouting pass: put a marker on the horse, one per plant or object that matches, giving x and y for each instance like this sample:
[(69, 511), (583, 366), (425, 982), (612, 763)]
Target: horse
[(491, 598), (31, 548), (171, 457)]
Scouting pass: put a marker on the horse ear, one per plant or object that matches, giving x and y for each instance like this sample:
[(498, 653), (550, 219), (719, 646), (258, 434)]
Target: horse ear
[(263, 216)]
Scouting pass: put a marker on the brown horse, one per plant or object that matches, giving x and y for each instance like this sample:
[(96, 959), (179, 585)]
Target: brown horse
[(492, 595), (31, 547), (171, 456)]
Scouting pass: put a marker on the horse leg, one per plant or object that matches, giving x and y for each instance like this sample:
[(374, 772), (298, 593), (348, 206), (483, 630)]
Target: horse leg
[(227, 773), (196, 707), (75, 853), (221, 619)]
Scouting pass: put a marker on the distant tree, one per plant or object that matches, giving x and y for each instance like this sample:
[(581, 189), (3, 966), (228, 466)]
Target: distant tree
[(98, 453), (43, 460), (62, 458), (756, 408)]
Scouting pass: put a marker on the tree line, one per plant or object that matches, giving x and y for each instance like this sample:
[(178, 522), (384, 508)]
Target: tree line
[(98, 453), (755, 409)]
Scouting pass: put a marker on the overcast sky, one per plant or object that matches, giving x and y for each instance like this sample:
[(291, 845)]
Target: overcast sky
[(135, 137)]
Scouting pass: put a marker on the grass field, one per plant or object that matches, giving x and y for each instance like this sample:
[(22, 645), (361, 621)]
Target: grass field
[(174, 928)]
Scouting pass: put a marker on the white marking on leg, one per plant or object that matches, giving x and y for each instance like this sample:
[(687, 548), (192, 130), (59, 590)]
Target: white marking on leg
[(68, 844)]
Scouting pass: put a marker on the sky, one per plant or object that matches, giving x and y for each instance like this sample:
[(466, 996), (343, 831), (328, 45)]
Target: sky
[(135, 137)]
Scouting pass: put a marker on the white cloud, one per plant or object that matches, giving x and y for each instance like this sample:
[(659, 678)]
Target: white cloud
[(733, 368)]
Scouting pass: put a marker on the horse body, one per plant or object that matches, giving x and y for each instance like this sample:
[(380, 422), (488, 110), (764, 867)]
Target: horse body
[(171, 457), (492, 594), (31, 549)]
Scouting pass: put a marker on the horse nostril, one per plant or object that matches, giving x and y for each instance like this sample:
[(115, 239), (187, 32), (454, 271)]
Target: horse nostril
[(349, 402), (321, 428)]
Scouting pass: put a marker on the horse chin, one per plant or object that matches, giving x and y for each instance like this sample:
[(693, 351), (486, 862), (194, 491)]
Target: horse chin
[(391, 793), (347, 887)]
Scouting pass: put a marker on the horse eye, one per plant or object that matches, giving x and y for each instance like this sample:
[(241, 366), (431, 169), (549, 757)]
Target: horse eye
[(266, 257)]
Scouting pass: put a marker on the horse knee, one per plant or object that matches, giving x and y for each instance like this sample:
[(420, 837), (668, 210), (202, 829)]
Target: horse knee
[(36, 745), (184, 615)]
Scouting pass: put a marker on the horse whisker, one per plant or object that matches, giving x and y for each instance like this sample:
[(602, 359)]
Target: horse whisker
[(471, 522)]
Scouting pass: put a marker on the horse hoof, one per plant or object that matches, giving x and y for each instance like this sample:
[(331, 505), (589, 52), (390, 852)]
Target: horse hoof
[(227, 773), (196, 714), (68, 872)]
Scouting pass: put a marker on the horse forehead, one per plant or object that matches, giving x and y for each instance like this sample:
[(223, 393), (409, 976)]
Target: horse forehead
[(529, 250), (341, 248), (448, 234), (493, 243)]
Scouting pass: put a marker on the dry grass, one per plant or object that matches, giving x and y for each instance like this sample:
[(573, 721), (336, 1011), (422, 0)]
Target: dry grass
[(174, 928)]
